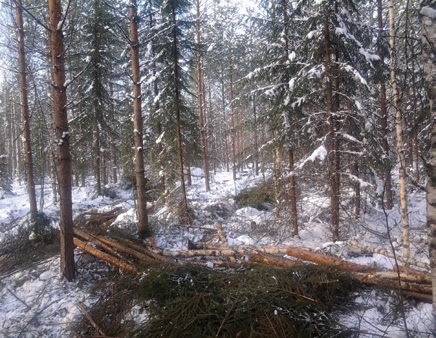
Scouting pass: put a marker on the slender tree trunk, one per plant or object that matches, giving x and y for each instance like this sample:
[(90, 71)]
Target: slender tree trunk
[(232, 116), (138, 124), (28, 159), (331, 140), (113, 146), (201, 99), (226, 144), (63, 139), (428, 42), (178, 117), (256, 138), (51, 130), (384, 115), (292, 191), (399, 132)]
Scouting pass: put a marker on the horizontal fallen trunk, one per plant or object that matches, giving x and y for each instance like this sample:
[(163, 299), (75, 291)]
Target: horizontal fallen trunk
[(386, 253), (93, 239), (143, 250), (121, 264), (122, 248), (199, 253), (269, 259), (310, 256)]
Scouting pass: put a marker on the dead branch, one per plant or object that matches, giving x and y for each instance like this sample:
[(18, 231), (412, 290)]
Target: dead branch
[(91, 321)]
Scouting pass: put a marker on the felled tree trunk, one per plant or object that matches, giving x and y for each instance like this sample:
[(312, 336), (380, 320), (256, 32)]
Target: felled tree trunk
[(310, 256), (122, 264)]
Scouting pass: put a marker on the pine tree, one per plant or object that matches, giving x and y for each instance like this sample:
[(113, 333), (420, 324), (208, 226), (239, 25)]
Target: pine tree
[(62, 135)]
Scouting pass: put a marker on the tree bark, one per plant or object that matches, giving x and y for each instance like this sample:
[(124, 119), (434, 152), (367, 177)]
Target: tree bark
[(122, 264), (428, 43), (383, 112), (138, 124), (28, 159), (201, 99), (178, 99), (232, 117), (331, 140), (63, 140), (399, 133)]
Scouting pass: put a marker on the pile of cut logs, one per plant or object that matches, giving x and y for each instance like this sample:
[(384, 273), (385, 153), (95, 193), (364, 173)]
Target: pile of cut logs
[(129, 256)]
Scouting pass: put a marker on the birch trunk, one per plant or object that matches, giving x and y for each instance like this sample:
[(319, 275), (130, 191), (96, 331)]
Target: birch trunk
[(399, 133)]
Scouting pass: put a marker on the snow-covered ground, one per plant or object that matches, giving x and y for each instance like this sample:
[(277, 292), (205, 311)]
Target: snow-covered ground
[(35, 302)]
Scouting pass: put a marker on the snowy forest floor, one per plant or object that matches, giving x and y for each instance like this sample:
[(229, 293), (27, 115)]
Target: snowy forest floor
[(35, 302)]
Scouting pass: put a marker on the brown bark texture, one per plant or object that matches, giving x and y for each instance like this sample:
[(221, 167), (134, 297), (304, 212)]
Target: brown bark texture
[(201, 100), (331, 141), (383, 112), (138, 123), (62, 138), (28, 158)]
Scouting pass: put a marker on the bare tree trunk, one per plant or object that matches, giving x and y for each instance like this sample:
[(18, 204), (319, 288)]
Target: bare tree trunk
[(138, 124), (428, 12), (178, 117), (384, 115), (63, 139), (331, 140), (51, 134), (113, 147), (226, 144), (28, 160), (232, 116), (399, 132), (201, 100), (292, 191)]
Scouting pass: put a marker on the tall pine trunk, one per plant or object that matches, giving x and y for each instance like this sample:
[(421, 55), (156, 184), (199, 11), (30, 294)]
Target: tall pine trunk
[(232, 117), (384, 115), (399, 133), (331, 139), (28, 159), (178, 98), (292, 190), (201, 99), (62, 138), (138, 125)]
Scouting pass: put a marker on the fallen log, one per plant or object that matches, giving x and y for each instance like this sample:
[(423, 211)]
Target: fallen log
[(92, 238), (143, 250), (310, 256), (374, 279), (269, 259), (121, 264), (199, 253), (124, 249), (386, 253)]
